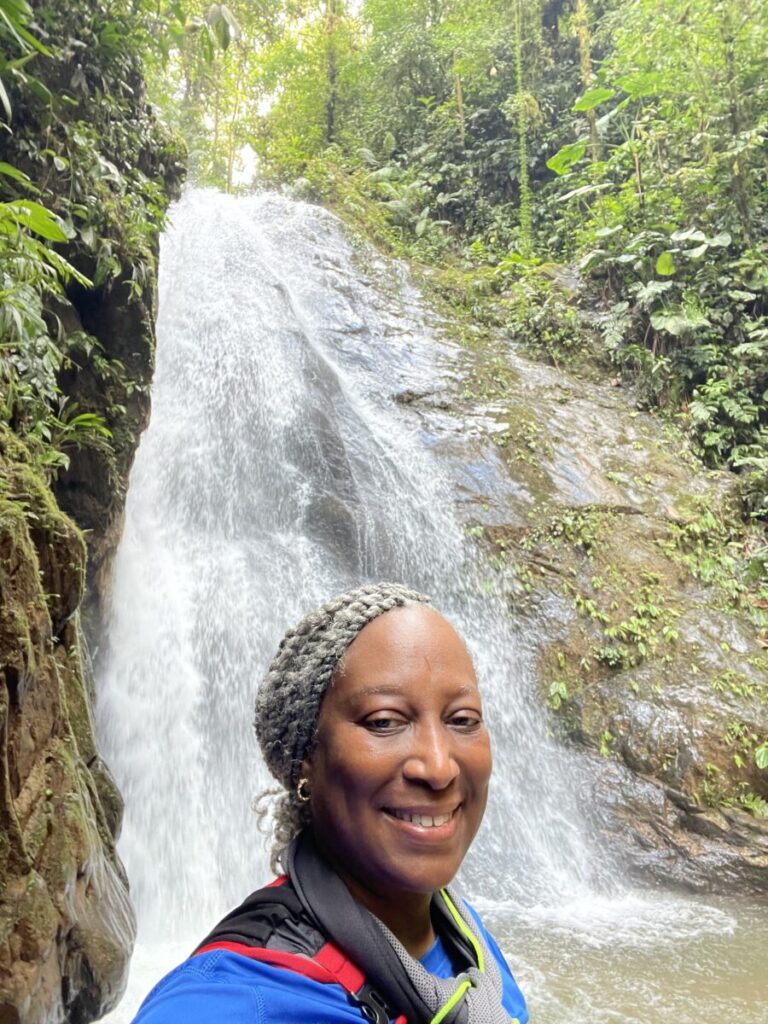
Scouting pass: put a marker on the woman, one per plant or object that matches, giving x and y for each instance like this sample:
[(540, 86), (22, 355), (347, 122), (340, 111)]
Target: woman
[(370, 717)]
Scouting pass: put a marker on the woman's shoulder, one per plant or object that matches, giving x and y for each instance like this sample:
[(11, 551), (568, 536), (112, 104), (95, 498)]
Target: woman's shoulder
[(224, 986)]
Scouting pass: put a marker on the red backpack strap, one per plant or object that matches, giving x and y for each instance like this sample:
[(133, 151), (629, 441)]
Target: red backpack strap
[(346, 973), (295, 962), (352, 980), (328, 966)]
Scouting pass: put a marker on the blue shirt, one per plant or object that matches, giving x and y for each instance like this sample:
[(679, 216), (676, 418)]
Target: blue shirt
[(225, 988)]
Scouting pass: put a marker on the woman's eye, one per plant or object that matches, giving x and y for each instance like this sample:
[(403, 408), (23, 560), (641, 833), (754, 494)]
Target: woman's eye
[(382, 723), (467, 721)]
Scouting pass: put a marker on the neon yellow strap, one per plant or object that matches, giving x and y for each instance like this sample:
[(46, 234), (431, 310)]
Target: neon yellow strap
[(464, 987), (455, 998), (465, 931)]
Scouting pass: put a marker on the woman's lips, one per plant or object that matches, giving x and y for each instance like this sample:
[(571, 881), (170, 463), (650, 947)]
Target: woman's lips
[(437, 822)]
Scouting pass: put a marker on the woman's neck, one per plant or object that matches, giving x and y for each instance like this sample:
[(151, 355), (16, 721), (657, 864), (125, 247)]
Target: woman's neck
[(407, 916)]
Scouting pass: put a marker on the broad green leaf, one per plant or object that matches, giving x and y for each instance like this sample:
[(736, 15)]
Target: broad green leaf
[(35, 217), (646, 293), (697, 251), (89, 421), (592, 259), (641, 84), (88, 235), (40, 89), (222, 24), (677, 321), (720, 241), (60, 459), (384, 173), (65, 269), (665, 264), (593, 99), (761, 756), (689, 235), (566, 157), (13, 172), (13, 22)]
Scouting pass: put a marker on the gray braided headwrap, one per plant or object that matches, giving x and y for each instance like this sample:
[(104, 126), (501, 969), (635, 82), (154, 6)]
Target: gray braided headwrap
[(289, 697)]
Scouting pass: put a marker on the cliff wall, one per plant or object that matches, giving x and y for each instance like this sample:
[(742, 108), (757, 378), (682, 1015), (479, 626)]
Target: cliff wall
[(97, 157)]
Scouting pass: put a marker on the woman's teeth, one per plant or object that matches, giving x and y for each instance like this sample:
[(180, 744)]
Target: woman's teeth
[(425, 820)]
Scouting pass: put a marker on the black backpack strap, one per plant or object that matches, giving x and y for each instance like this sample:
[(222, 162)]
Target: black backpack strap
[(273, 926), (270, 918)]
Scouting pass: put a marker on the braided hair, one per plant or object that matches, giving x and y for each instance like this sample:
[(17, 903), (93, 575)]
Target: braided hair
[(290, 694)]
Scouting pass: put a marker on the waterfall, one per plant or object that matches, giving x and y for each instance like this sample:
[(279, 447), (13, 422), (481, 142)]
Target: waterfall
[(278, 469)]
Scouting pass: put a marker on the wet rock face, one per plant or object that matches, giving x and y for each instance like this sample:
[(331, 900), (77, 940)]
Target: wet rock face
[(67, 926), (663, 834), (609, 540)]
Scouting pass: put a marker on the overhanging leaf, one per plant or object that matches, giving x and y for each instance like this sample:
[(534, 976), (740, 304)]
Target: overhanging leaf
[(13, 172), (593, 99), (566, 157), (35, 217)]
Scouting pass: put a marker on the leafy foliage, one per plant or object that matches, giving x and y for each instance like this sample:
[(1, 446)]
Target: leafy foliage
[(84, 200)]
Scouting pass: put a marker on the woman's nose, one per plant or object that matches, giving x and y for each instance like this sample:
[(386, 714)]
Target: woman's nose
[(432, 760)]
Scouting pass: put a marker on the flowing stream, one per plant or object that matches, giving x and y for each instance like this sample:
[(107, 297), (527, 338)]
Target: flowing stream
[(277, 470)]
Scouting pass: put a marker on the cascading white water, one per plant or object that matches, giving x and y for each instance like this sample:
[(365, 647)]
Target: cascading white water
[(276, 471)]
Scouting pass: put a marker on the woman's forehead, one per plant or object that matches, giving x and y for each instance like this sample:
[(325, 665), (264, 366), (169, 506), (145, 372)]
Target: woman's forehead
[(411, 641)]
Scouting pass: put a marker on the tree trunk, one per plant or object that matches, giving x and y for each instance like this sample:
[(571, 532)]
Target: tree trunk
[(459, 96), (581, 16), (332, 70), (525, 210)]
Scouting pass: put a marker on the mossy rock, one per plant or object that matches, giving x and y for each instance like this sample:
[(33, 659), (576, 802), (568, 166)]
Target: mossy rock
[(65, 910)]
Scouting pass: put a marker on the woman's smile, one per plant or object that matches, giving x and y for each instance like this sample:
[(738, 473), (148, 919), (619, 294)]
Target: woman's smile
[(424, 828), (430, 818)]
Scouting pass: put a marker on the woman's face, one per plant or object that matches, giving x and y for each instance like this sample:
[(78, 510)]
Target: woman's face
[(399, 775)]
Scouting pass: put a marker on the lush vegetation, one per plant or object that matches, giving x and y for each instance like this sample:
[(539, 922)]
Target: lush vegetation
[(84, 185), (596, 170)]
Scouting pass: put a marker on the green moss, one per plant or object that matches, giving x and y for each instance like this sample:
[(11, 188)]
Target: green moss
[(717, 548)]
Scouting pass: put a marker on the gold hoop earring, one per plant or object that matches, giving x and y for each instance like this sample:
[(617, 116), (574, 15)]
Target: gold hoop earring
[(302, 790)]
